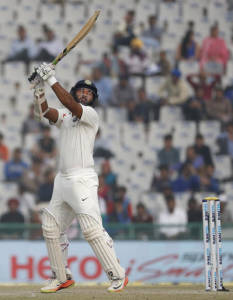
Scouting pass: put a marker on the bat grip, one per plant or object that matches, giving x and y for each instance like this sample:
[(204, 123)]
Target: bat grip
[(32, 77)]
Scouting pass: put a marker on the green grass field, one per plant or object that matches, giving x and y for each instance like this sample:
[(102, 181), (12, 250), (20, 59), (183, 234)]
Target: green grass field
[(134, 292)]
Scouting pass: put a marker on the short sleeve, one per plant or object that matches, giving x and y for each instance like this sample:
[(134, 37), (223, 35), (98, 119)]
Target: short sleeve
[(62, 112), (89, 116)]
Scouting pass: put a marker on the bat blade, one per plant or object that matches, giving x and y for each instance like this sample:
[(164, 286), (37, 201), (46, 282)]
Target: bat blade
[(82, 33)]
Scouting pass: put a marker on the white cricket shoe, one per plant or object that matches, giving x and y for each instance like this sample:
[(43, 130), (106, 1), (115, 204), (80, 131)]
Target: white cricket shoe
[(55, 285), (118, 285), (53, 276)]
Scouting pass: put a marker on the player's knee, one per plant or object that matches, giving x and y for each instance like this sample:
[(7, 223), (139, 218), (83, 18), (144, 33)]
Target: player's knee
[(92, 233), (49, 226)]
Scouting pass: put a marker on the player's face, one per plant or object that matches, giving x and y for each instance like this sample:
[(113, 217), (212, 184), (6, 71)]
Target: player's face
[(84, 95)]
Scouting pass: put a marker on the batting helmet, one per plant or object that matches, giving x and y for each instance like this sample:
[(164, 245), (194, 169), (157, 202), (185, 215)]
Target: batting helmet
[(85, 84)]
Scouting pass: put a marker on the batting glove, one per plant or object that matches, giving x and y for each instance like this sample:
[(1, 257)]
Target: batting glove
[(47, 73)]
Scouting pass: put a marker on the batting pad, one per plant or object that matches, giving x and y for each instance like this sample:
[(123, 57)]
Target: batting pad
[(102, 246), (64, 247), (51, 235)]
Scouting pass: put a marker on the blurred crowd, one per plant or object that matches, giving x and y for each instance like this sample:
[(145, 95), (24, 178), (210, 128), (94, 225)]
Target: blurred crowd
[(113, 75)]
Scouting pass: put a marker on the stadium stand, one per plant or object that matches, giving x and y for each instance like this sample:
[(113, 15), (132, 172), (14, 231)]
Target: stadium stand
[(135, 144)]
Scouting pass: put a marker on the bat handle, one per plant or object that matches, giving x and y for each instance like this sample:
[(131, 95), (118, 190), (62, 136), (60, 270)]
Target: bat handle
[(33, 76)]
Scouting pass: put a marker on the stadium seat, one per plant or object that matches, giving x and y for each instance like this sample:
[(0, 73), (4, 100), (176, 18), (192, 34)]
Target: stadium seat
[(6, 10), (74, 12), (116, 115), (27, 11), (157, 131), (169, 11), (170, 114), (184, 133), (50, 14), (134, 135), (210, 130), (223, 166)]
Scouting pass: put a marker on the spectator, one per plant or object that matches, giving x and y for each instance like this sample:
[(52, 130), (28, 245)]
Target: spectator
[(194, 211), (123, 92), (174, 217), (205, 81), (45, 150), (143, 216), (32, 178), (205, 15), (105, 192), (105, 64), (119, 213), (163, 64), (13, 215), (30, 125), (109, 176), (225, 141), (163, 181), (27, 203), (104, 86), (122, 208), (174, 90), (118, 66), (143, 108), (4, 151), (194, 218), (167, 191), (214, 53), (50, 47), (187, 180), (208, 183), (153, 34), (45, 190), (188, 48), (22, 49), (195, 108), (226, 216), (121, 194), (137, 61), (194, 159), (169, 155), (219, 108), (228, 92), (202, 149), (15, 167), (126, 30)]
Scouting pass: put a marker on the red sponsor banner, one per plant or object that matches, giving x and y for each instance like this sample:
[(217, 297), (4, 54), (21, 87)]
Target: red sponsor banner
[(151, 262)]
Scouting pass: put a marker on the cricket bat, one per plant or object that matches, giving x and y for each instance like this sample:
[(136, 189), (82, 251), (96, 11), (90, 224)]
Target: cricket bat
[(82, 33)]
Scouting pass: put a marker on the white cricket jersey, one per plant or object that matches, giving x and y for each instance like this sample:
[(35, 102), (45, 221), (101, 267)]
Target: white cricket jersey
[(76, 140)]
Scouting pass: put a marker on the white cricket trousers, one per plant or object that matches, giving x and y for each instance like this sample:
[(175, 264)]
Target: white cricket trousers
[(75, 194)]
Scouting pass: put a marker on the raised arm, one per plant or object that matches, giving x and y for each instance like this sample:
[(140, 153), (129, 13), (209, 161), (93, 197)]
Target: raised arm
[(67, 100), (47, 73)]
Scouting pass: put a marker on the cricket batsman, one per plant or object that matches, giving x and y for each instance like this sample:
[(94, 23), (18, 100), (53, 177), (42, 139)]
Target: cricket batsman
[(76, 183)]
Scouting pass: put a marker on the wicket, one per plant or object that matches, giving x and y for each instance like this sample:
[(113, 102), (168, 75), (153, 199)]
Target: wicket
[(212, 236)]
